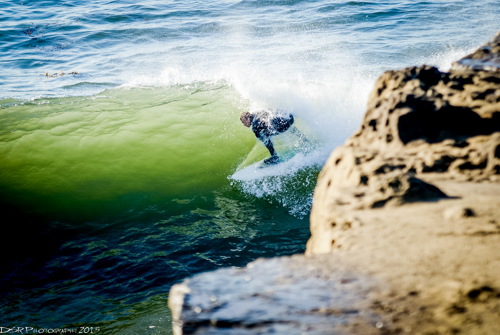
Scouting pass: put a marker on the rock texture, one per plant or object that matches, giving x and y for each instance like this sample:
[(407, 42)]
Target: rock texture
[(297, 295), (413, 196), (405, 224), (421, 124)]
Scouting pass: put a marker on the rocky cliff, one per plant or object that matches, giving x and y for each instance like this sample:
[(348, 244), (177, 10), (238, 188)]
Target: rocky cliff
[(405, 225)]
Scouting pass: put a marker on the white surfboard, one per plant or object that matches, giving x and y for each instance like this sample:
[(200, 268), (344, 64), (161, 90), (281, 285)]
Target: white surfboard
[(287, 164)]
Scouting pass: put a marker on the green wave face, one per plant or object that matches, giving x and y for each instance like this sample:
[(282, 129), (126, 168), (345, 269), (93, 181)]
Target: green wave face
[(66, 153)]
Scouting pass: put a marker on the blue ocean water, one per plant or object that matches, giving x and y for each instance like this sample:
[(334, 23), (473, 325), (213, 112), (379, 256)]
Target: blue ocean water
[(120, 138)]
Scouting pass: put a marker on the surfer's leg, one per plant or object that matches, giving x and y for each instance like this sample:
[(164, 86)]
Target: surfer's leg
[(274, 156), (272, 160), (269, 145)]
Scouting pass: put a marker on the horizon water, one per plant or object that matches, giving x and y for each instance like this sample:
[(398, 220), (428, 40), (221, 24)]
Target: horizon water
[(122, 153)]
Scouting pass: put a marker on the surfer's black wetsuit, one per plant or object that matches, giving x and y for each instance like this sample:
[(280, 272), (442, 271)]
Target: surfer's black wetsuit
[(265, 125)]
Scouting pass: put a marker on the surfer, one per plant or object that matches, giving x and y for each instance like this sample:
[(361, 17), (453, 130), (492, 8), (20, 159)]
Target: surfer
[(265, 124)]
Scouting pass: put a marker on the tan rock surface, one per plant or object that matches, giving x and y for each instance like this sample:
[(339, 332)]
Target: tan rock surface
[(413, 198)]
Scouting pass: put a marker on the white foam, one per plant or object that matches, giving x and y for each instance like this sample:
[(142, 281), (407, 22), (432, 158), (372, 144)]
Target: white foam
[(259, 170)]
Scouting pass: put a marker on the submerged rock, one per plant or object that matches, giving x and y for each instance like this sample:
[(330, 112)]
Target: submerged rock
[(486, 58), (405, 224), (287, 295)]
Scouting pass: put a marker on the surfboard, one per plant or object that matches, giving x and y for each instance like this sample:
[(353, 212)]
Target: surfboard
[(262, 165), (260, 169)]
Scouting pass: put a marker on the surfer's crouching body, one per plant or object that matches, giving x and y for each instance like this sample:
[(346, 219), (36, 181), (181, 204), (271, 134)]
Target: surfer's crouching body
[(265, 124)]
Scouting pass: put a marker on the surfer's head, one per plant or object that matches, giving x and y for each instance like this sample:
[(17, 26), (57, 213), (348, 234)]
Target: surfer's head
[(246, 118)]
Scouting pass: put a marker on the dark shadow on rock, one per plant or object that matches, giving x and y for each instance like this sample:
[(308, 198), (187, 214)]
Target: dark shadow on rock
[(405, 188), (434, 125)]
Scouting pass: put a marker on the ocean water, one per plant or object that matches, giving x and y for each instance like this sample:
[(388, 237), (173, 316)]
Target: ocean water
[(121, 150)]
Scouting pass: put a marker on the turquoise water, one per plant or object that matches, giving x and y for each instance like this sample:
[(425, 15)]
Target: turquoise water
[(120, 137)]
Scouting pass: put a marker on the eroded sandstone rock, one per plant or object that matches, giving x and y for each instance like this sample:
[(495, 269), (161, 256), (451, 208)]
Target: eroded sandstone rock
[(419, 122), (413, 197)]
